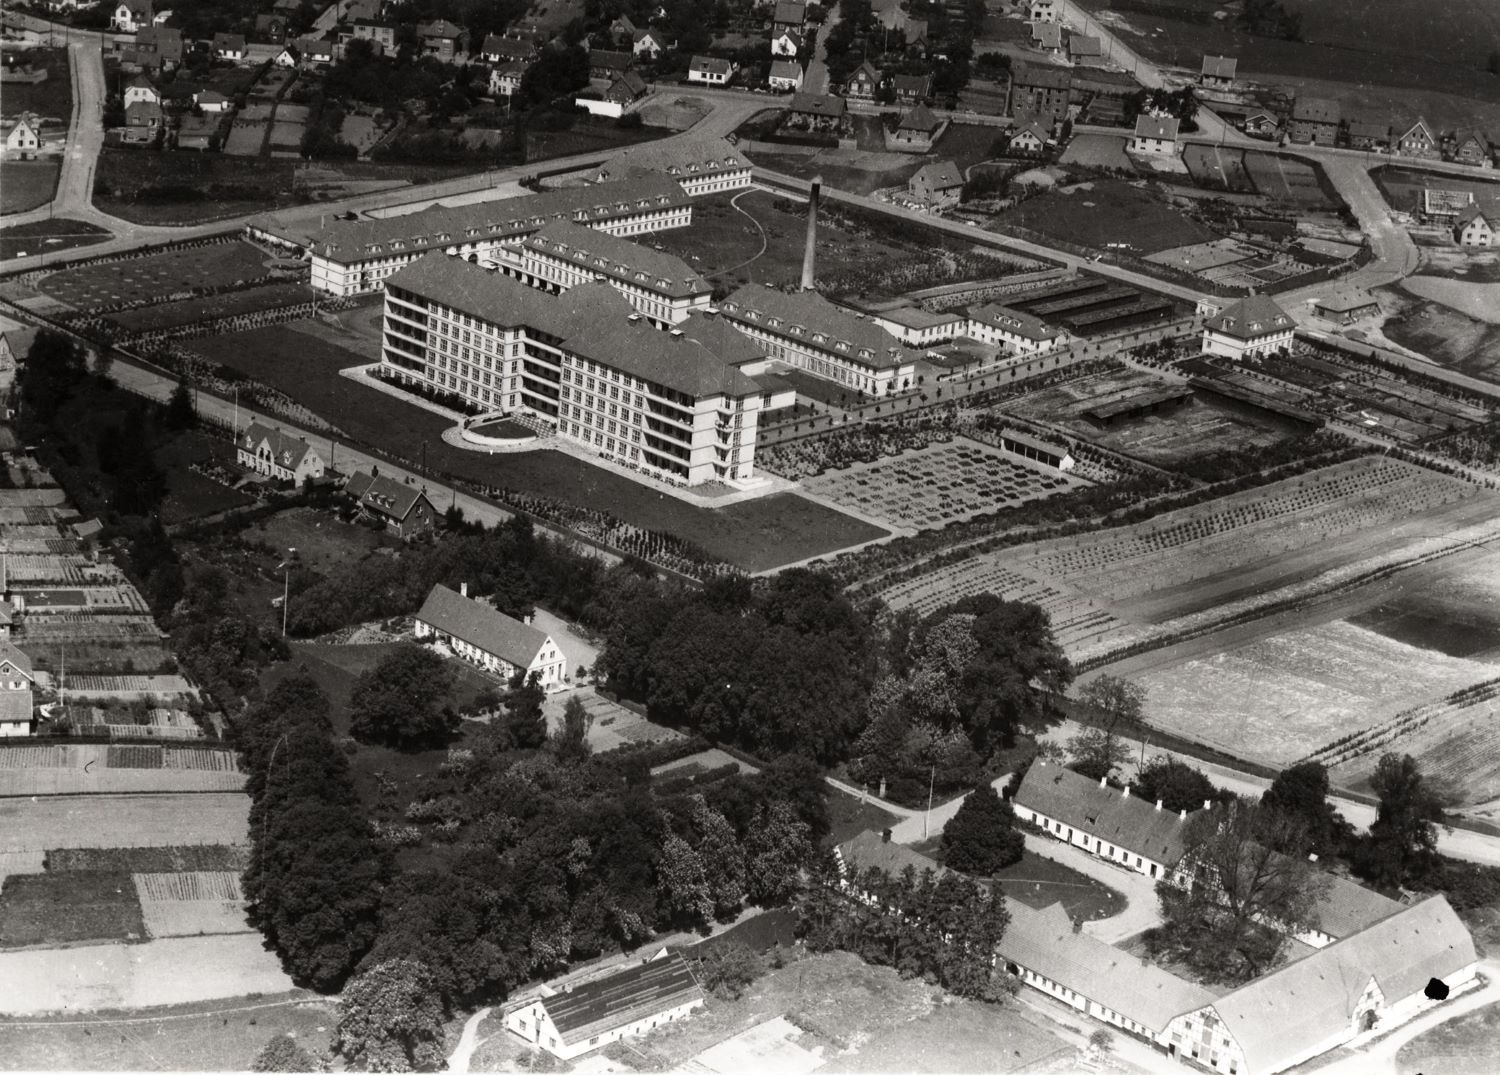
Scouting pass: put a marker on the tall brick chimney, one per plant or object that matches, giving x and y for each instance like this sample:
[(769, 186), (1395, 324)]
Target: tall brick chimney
[(809, 251)]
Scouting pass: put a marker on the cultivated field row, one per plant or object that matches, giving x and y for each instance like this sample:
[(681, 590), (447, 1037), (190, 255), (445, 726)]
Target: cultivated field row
[(102, 821), (1457, 744), (114, 781), (100, 755)]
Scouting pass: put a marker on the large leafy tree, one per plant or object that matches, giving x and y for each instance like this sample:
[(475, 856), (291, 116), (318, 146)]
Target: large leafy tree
[(778, 846), (403, 701), (1402, 844), (1245, 898), (390, 1019), (723, 859), (684, 895), (981, 838), (282, 1053), (1301, 792), (1175, 784)]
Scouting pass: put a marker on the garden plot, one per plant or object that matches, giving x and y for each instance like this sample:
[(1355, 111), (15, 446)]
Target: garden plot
[(158, 276), (1250, 527), (1459, 750), (78, 769), (1286, 179), (192, 903), (124, 821), (931, 487), (1279, 698)]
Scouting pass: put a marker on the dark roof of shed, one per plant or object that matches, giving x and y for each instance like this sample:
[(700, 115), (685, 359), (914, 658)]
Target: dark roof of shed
[(608, 1003)]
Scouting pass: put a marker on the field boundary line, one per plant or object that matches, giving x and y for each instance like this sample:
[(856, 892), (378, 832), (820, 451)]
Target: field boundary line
[(33, 1024)]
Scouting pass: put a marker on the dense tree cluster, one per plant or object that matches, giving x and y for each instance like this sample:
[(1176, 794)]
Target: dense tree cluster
[(402, 701), (981, 838), (391, 1019), (315, 878), (955, 686), (940, 926)]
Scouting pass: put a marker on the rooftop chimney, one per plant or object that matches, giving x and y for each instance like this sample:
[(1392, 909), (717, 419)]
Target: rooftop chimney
[(808, 255), (1101, 781), (1126, 793), (1312, 856), (1158, 804), (885, 836), (463, 589), (1182, 815), (1208, 804)]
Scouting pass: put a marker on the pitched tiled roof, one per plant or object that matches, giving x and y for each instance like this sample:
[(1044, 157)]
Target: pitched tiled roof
[(920, 118), (786, 69), (15, 707), (829, 107), (912, 85), (1316, 110), (383, 495), (617, 258), (938, 175), (1047, 35), (595, 1008), (440, 28), (442, 226), (871, 850), (917, 318), (1220, 66), (481, 626), (9, 652), (1346, 907), (1083, 45), (793, 36), (789, 11), (615, 61), (682, 157), (507, 48), (711, 64), (1279, 1017), (1362, 129), (1163, 127), (1025, 325), (675, 358), (288, 450), (1042, 76), (1121, 819), (1252, 316), (806, 314)]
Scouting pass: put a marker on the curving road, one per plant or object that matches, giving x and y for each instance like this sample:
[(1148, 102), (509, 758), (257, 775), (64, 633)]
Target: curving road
[(75, 183)]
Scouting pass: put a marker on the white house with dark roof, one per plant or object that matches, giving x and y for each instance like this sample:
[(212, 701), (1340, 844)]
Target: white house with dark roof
[(659, 285), (590, 1015), (402, 506), (1255, 325), (938, 184), (141, 90), (16, 682), (786, 43), (278, 454), (1154, 135), (1474, 227), (132, 15), (494, 641), (24, 137), (785, 75), (710, 70), (916, 327), (648, 43)]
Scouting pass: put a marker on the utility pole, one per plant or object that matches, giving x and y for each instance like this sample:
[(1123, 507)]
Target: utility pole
[(931, 775)]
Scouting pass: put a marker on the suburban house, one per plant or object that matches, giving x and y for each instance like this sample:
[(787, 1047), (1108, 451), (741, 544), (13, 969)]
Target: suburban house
[(140, 90), (494, 641), (788, 15), (229, 47), (1040, 89), (24, 139), (1370, 136), (210, 101), (1154, 135), (1029, 140), (912, 89), (1345, 308), (1418, 140), (1474, 228), (498, 49), (590, 1015), (938, 184), (785, 75), (700, 165), (381, 34), (916, 131), (915, 33), (623, 26), (1468, 145), (131, 16), (813, 112), (609, 64), (505, 78), (786, 43), (1084, 49), (1315, 120), (270, 28), (403, 507), (287, 57), (142, 120), (314, 50), (1042, 11), (1218, 72), (864, 83), (1019, 333), (1047, 36), (648, 43), (627, 89), (916, 327), (1255, 325), (16, 681), (155, 48), (442, 39), (278, 455), (710, 70), (1261, 124)]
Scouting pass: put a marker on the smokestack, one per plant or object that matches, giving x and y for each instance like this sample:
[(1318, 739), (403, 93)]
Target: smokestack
[(1158, 805), (1126, 793), (463, 589), (1208, 804), (808, 255)]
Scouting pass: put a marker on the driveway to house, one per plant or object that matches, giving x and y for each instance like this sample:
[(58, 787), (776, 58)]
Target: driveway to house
[(75, 183), (1142, 911)]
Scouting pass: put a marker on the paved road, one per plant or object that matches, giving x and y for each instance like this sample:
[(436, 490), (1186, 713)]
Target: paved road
[(75, 184), (815, 79)]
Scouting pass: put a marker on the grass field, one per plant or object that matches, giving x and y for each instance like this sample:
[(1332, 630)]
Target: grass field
[(28, 184), (154, 277), (190, 494), (754, 534), (219, 1036), (57, 909), (1281, 697), (1462, 1046), (1108, 211), (1380, 42), (123, 821), (848, 817), (1039, 882), (48, 237), (51, 98), (322, 541)]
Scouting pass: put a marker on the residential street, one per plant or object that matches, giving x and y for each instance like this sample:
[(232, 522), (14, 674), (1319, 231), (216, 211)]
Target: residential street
[(75, 184)]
